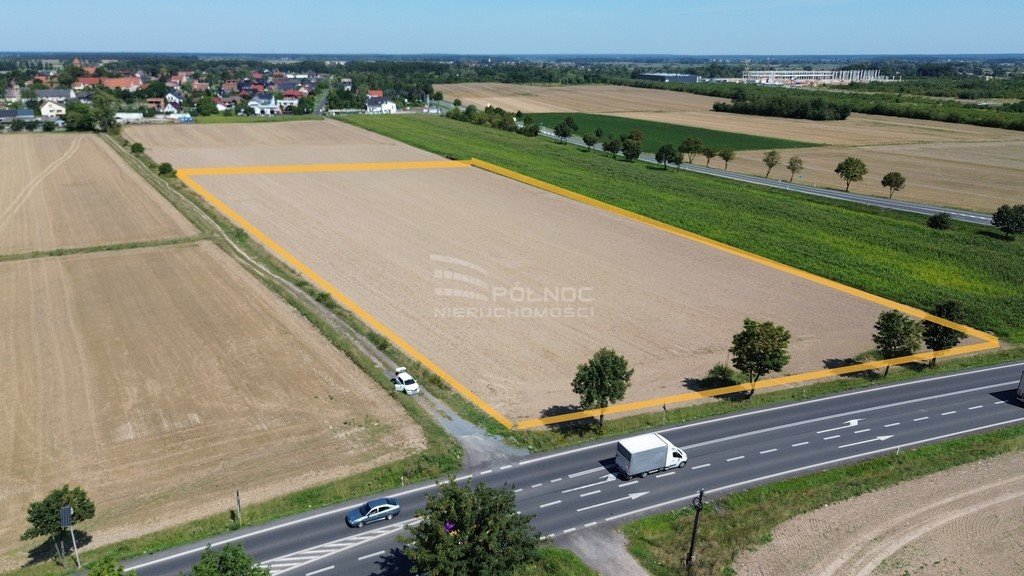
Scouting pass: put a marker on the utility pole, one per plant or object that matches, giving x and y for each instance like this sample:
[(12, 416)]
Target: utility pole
[(238, 502), (698, 505)]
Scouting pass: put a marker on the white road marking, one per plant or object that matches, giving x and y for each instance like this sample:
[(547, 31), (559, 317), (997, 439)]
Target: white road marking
[(506, 466), (623, 485), (921, 418), (585, 494), (589, 524), (748, 413), (585, 472), (632, 496), (487, 471), (607, 478), (556, 480), (975, 407), (550, 503), (377, 553), (875, 439), (832, 437), (798, 444), (537, 485), (518, 490), (734, 458), (662, 475), (999, 402), (331, 567), (891, 425), (701, 466), (948, 413), (848, 424), (769, 451), (568, 530), (861, 431), (824, 464)]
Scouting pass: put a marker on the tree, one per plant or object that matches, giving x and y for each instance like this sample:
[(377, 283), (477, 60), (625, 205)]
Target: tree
[(138, 148), (1009, 219), (852, 170), (612, 146), (690, 147), (708, 153), (165, 169), (17, 125), (44, 516), (228, 561), (631, 149), (563, 131), (471, 530), (771, 160), (109, 567), (940, 221), (590, 139), (571, 123), (795, 164), (938, 337), (104, 107), (761, 347), (49, 126), (666, 154), (78, 117), (727, 154), (894, 181), (457, 103), (896, 335), (602, 380), (206, 106)]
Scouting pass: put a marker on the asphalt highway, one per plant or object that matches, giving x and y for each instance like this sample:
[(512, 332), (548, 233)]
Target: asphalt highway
[(885, 203), (577, 489)]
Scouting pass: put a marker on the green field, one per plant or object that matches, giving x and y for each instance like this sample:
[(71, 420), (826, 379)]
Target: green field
[(891, 254), (658, 133)]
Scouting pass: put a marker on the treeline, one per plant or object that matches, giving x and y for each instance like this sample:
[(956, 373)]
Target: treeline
[(902, 105), (965, 87), (499, 118), (786, 106)]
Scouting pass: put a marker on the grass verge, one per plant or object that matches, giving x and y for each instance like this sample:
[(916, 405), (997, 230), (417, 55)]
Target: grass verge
[(745, 520), (556, 562), (102, 248), (658, 133), (892, 254)]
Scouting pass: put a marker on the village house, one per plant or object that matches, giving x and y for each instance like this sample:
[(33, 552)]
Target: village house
[(59, 95), (380, 105), (265, 105), (51, 109)]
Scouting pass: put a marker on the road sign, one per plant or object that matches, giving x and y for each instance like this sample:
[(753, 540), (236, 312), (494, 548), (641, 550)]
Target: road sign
[(65, 516)]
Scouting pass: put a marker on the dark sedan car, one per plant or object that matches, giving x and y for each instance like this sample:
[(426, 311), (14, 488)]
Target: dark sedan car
[(373, 511)]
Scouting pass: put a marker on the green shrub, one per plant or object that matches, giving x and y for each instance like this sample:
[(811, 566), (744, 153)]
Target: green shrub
[(138, 148), (940, 221), (166, 169)]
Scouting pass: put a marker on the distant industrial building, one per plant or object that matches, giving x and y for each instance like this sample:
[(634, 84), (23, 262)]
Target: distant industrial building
[(668, 77), (813, 76)]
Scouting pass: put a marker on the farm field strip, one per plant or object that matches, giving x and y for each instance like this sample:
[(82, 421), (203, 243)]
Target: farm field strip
[(360, 309)]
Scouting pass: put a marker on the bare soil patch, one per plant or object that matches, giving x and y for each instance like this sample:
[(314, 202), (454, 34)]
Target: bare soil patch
[(160, 379), (966, 521), (509, 287), (597, 99), (973, 175), (71, 191), (275, 143)]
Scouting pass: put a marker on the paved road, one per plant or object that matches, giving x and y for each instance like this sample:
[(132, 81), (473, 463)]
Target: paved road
[(901, 205), (576, 490)]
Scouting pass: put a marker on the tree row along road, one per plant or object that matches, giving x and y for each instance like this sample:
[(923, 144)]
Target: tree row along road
[(886, 203), (578, 489)]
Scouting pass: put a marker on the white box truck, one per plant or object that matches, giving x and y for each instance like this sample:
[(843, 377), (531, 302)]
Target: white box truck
[(1020, 388), (642, 455)]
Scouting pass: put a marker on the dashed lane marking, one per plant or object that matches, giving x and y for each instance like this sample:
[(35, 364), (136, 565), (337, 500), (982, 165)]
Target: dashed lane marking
[(769, 451), (734, 458), (374, 555), (628, 483), (585, 472), (921, 418), (948, 413), (701, 466), (831, 437), (862, 431), (585, 494), (320, 571), (665, 474), (891, 425), (975, 407), (550, 503), (799, 444)]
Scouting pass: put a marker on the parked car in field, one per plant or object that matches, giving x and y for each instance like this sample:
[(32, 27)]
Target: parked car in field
[(373, 511), (404, 382)]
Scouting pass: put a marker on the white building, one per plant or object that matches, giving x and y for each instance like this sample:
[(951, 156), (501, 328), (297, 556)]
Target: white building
[(265, 105), (379, 105), (52, 110)]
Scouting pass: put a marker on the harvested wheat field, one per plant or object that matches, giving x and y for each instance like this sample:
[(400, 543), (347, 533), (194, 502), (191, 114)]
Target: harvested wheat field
[(508, 287), (73, 191), (159, 379), (977, 175), (274, 143), (964, 521), (695, 110)]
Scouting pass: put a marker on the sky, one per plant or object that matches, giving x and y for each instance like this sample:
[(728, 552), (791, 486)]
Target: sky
[(681, 27)]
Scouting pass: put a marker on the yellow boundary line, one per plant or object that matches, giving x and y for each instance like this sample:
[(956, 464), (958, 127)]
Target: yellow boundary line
[(988, 341)]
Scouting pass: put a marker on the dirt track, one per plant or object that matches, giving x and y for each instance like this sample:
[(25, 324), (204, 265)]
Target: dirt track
[(445, 258), (159, 379), (71, 190), (964, 521)]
